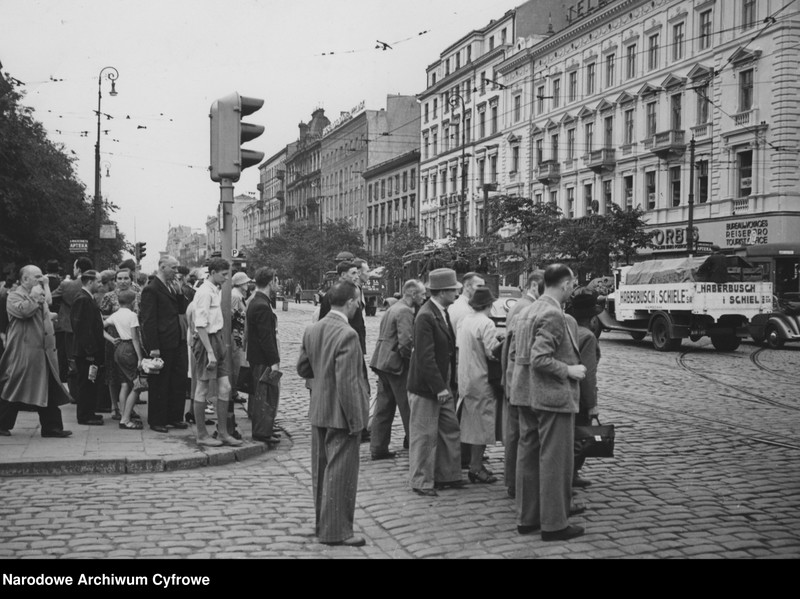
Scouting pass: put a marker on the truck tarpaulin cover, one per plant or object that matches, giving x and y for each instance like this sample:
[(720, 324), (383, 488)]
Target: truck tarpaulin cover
[(674, 270)]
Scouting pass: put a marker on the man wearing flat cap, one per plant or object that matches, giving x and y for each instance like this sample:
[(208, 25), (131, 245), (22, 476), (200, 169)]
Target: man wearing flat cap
[(434, 450)]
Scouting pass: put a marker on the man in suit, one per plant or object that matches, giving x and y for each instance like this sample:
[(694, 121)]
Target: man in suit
[(263, 355), (159, 313), (88, 347), (434, 450), (331, 360), (63, 297), (534, 289), (390, 362), (545, 387)]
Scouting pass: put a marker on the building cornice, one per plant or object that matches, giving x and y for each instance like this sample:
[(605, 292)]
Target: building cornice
[(463, 73), (392, 163)]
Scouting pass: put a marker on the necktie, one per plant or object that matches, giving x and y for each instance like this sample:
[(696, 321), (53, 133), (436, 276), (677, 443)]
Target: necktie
[(449, 324)]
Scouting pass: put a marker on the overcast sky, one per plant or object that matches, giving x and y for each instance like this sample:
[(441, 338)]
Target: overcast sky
[(175, 57)]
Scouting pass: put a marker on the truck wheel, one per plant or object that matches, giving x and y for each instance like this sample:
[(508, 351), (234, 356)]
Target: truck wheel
[(638, 335), (661, 339), (773, 337), (725, 342)]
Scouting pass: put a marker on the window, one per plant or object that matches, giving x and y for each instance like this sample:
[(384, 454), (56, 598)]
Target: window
[(675, 185), (607, 197), (538, 198), (745, 90), (425, 147), (435, 106), (573, 86), (629, 127), (540, 99), (748, 14), (433, 185), (675, 111), (590, 78), (650, 189), (608, 132), (426, 112), (454, 179), (458, 60), (446, 102), (589, 130), (554, 147), (515, 159), (628, 182), (447, 67), (494, 168), (517, 108), (456, 135), (413, 177), (469, 53), (630, 62), (397, 184), (433, 79), (703, 112), (702, 181), (705, 30), (570, 144), (744, 167), (494, 119), (491, 43), (556, 93), (468, 129), (424, 188), (483, 82), (482, 125), (443, 180), (383, 188), (390, 187), (571, 202), (554, 197), (610, 62), (481, 172), (435, 140), (539, 151), (678, 41), (467, 91), (445, 139), (650, 119), (587, 198), (652, 52), (503, 36), (369, 192)]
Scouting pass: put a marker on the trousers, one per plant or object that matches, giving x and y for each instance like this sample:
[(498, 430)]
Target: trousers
[(334, 476)]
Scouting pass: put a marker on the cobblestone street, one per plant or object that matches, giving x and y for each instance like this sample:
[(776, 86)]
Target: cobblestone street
[(706, 466)]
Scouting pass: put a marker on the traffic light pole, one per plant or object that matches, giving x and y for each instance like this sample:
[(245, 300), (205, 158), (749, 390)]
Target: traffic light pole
[(226, 237)]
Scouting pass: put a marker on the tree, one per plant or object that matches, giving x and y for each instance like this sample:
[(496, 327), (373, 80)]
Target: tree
[(404, 239), (531, 228), (42, 203), (627, 232), (584, 245), (304, 251)]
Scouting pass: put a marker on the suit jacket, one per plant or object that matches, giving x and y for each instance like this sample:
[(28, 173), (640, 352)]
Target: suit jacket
[(159, 318), (65, 295), (331, 358), (433, 355), (395, 340), (262, 334), (507, 353), (546, 343), (357, 322), (590, 357), (87, 329)]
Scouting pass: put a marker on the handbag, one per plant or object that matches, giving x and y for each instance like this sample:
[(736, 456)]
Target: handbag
[(594, 441)]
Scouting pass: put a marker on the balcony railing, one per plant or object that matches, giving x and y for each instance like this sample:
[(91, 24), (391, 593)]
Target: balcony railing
[(701, 130), (748, 118), (548, 172), (603, 160), (741, 205), (668, 143), (627, 149)]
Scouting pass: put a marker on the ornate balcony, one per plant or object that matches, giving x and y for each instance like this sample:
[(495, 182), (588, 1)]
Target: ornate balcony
[(280, 195), (548, 172), (748, 118), (700, 131), (668, 144), (601, 161)]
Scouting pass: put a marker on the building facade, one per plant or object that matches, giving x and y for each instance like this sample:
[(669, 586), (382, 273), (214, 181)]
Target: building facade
[(392, 198), (264, 217), (625, 96), (303, 170), (463, 112)]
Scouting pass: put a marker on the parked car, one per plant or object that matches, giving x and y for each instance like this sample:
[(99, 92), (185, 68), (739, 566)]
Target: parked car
[(779, 326)]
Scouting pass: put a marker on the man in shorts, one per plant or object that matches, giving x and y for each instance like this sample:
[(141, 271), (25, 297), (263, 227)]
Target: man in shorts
[(210, 356)]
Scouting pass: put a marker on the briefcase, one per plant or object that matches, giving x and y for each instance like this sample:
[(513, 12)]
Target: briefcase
[(594, 441)]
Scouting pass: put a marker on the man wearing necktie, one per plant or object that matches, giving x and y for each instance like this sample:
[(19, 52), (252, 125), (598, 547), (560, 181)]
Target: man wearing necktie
[(434, 455)]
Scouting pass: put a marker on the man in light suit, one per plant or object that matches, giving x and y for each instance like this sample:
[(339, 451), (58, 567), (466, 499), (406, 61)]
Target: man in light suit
[(332, 361), (535, 288), (390, 362), (545, 387), (434, 456)]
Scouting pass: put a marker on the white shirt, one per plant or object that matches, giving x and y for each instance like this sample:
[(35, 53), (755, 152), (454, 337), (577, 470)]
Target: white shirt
[(459, 310), (208, 307), (125, 320)]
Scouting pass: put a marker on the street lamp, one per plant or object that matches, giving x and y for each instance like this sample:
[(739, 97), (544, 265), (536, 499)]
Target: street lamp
[(454, 100), (112, 74)]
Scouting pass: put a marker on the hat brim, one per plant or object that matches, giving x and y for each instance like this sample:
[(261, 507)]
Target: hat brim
[(457, 286), (481, 306)]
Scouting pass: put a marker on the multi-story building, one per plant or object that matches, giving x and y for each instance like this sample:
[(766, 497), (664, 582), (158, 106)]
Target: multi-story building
[(391, 198), (176, 236), (463, 112), (237, 224), (622, 94), (355, 142), (265, 216), (303, 186), (213, 239)]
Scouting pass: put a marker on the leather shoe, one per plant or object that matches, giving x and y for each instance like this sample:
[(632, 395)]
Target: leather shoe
[(4, 433), (426, 492), (159, 429), (273, 440), (92, 421), (576, 509), (365, 436), (512, 492), (527, 529), (405, 442), (580, 483), (384, 455), (180, 425), (453, 484), (56, 434), (565, 534), (351, 542)]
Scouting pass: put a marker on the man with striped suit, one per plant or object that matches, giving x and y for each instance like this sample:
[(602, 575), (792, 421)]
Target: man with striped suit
[(332, 362)]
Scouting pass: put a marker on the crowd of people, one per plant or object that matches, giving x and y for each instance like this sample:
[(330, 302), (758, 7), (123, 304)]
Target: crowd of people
[(460, 384)]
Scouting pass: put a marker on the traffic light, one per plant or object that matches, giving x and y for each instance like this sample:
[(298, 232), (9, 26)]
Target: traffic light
[(228, 132), (140, 251)]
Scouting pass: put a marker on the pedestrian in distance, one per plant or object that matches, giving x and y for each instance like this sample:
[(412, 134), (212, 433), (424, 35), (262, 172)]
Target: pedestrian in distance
[(390, 362), (434, 451), (479, 343), (239, 283), (88, 348), (210, 355), (331, 361), (29, 373), (547, 372), (298, 292)]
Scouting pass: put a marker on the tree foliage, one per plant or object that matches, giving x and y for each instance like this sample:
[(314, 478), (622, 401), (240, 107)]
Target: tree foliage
[(531, 228), (42, 203), (404, 239), (304, 251)]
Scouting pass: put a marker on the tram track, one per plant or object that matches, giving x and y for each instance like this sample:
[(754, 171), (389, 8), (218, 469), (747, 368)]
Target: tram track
[(755, 358)]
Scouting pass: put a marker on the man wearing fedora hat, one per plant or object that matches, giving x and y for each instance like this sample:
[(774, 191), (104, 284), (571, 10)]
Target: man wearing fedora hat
[(434, 451)]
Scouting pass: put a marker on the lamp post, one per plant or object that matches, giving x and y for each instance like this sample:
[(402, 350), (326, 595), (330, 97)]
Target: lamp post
[(112, 74), (454, 100)]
